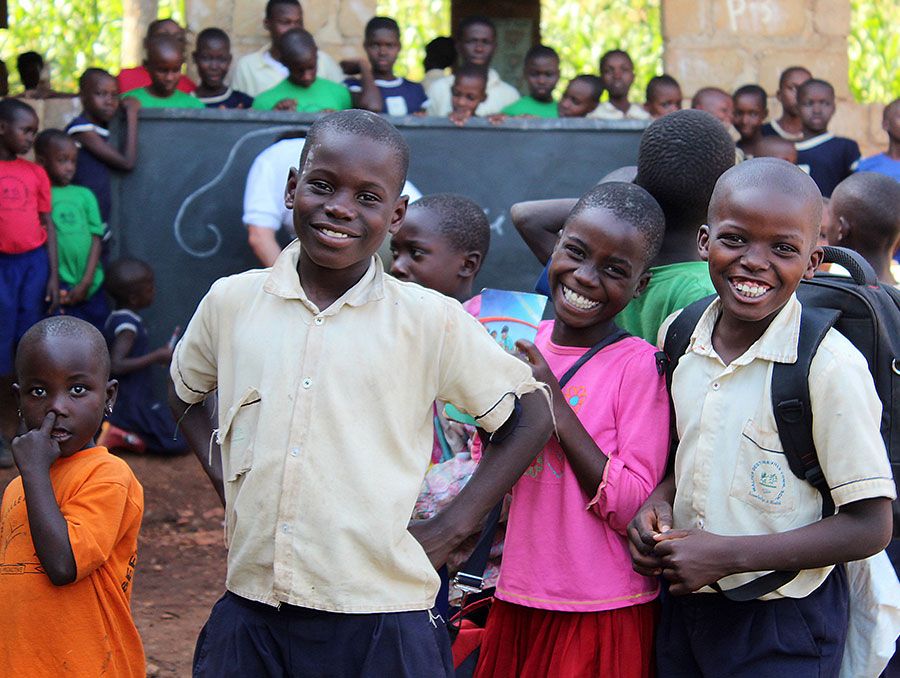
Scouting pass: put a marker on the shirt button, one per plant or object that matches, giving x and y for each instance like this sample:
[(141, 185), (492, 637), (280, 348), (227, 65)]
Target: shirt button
[(700, 523), (295, 451), (307, 383), (715, 386), (319, 320)]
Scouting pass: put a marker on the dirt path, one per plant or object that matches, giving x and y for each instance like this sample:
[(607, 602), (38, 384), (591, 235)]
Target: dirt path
[(181, 559)]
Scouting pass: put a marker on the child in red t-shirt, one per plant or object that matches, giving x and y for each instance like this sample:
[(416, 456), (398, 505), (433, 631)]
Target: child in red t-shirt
[(28, 263)]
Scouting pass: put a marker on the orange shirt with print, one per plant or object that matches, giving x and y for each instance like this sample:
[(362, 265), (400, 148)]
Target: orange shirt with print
[(84, 628)]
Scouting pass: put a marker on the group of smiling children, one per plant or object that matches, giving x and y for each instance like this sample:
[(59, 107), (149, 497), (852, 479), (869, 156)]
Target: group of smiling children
[(599, 512)]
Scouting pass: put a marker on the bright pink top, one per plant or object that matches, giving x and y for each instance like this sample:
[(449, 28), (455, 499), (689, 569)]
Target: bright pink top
[(133, 78), (566, 550), (24, 196)]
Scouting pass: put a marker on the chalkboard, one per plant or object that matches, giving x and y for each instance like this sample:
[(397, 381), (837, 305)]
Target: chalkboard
[(181, 208)]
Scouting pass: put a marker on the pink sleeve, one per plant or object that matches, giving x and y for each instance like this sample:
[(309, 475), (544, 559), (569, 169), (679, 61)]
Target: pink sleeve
[(639, 462)]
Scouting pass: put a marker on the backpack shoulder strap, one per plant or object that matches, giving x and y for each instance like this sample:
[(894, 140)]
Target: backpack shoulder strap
[(678, 336), (791, 402)]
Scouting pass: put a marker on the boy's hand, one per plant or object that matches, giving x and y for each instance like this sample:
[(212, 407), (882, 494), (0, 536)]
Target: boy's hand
[(131, 106), (540, 370), (652, 519), (352, 66), (163, 354), (460, 118), (73, 296), (52, 295), (35, 449), (434, 538), (692, 559), (286, 105), (497, 118)]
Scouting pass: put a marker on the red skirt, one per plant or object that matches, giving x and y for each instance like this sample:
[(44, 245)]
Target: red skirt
[(524, 642)]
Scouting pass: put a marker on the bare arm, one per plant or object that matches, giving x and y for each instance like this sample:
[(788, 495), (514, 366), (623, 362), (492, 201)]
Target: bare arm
[(539, 223), (497, 471), (370, 97), (52, 297), (120, 363), (197, 428), (34, 452), (124, 160), (692, 559), (263, 243)]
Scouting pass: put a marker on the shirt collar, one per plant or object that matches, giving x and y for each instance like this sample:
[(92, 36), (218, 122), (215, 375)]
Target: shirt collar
[(283, 281), (812, 142), (777, 344)]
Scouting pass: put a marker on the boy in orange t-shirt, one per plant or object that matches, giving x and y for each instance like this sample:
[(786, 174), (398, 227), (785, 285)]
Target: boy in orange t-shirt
[(69, 523)]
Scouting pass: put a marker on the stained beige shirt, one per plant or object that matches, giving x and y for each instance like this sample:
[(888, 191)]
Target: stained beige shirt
[(731, 474), (606, 111), (325, 424), (500, 94)]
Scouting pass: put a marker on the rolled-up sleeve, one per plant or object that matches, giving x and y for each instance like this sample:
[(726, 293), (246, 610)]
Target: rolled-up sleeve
[(193, 369)]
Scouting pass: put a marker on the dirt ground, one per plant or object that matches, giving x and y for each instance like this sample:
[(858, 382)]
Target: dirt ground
[(181, 559)]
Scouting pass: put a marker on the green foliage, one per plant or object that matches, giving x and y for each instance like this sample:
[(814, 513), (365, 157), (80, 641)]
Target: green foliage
[(71, 35), (874, 50), (421, 21)]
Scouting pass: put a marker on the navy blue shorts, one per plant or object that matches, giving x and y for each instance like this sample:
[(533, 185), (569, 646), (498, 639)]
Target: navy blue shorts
[(23, 287), (243, 638), (705, 634), (94, 309)]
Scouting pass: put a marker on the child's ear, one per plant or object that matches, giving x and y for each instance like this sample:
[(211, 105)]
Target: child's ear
[(471, 264), (643, 281), (112, 392), (703, 242), (815, 260), (290, 187), (843, 229), (399, 214)]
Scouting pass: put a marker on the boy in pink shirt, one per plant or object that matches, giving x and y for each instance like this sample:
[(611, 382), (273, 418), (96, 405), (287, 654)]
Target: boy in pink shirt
[(568, 602)]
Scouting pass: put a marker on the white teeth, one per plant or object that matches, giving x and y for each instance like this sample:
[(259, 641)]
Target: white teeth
[(578, 300), (334, 234), (751, 290)]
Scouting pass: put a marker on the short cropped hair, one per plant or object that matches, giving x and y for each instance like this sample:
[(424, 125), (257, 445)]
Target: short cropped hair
[(156, 23), (889, 109), (90, 74), (440, 53), (814, 82), (632, 205), (680, 158), (472, 71), (66, 326), (123, 276), (704, 92), (658, 81), (475, 20), (595, 83), (541, 52), (296, 41), (211, 35), (47, 138), (30, 65), (871, 202), (364, 124), (272, 4), (614, 52), (379, 23), (790, 70), (10, 109), (461, 222), (752, 90)]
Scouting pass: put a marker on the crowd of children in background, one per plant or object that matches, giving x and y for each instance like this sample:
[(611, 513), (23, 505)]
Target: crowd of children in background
[(596, 514)]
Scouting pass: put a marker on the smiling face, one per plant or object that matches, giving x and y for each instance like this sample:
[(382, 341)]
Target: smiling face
[(542, 74), (749, 114), (476, 45), (62, 374), (345, 200), (60, 161), (467, 93), (577, 101), (423, 255), (18, 134), (617, 73), (598, 266), (213, 57), (100, 98), (382, 47), (759, 244), (816, 105)]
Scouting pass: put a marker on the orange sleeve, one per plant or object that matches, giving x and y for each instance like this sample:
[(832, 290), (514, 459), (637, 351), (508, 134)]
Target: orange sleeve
[(94, 515)]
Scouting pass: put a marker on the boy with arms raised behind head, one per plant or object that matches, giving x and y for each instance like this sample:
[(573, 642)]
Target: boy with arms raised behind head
[(293, 442), (79, 230), (617, 74), (828, 159), (663, 96), (213, 57), (395, 96), (542, 74), (302, 90), (28, 258), (165, 57), (865, 208), (69, 523), (788, 126), (888, 162), (581, 96), (264, 69), (711, 533)]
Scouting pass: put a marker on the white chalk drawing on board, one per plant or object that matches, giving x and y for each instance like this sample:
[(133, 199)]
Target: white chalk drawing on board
[(213, 228)]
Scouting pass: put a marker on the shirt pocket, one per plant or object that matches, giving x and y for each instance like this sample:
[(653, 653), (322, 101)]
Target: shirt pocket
[(238, 433), (762, 477)]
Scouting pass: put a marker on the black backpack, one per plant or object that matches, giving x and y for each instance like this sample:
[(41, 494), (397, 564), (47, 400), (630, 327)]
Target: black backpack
[(865, 312)]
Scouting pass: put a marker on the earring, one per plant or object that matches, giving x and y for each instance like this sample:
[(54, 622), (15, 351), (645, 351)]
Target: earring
[(109, 410)]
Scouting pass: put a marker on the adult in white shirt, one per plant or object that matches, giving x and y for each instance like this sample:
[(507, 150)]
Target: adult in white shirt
[(264, 210), (262, 70), (475, 43)]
